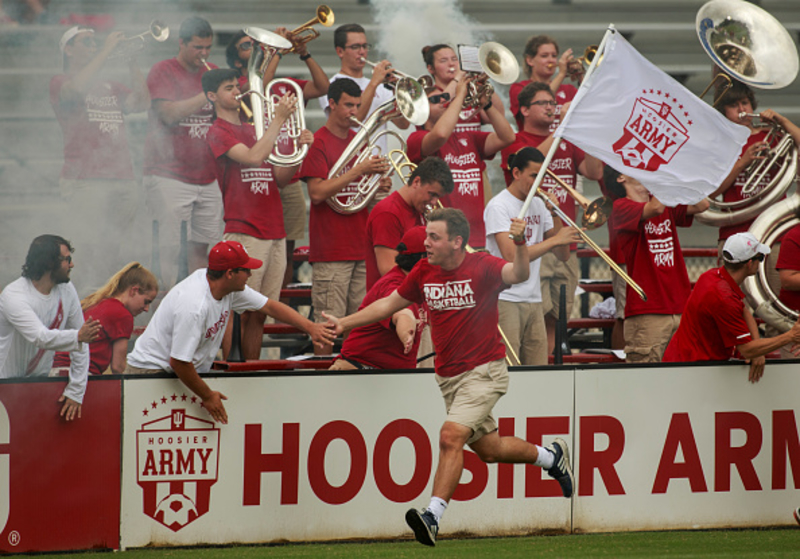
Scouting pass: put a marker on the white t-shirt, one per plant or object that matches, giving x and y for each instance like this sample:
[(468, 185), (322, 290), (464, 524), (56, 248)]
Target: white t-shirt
[(382, 95), (34, 326), (189, 325), (497, 216)]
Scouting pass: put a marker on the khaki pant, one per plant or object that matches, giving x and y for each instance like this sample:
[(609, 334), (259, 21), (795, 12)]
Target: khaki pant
[(295, 213), (523, 326), (647, 336), (337, 288), (554, 273)]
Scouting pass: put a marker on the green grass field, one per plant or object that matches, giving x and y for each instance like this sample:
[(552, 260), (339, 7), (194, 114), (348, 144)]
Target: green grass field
[(723, 543)]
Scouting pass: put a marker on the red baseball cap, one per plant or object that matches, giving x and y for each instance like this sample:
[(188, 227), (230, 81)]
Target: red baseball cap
[(414, 240), (228, 255)]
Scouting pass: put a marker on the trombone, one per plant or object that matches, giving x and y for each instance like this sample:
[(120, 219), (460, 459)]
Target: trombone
[(399, 160), (306, 33)]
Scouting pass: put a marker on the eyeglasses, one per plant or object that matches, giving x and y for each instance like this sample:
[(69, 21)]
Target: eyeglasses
[(67, 258), (543, 103), (247, 45), (440, 98), (359, 46)]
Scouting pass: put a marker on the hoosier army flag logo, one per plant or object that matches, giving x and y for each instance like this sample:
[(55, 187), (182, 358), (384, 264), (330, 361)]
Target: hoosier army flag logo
[(177, 458), (637, 119)]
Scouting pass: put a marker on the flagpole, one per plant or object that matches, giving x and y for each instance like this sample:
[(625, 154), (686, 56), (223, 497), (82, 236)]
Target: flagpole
[(557, 139)]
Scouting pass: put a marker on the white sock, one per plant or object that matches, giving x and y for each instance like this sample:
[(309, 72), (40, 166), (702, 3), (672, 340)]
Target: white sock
[(545, 459), (437, 507)]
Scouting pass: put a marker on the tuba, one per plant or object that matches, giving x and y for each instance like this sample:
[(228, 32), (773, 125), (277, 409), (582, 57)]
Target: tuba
[(157, 31), (750, 45), (263, 102), (768, 228), (411, 103)]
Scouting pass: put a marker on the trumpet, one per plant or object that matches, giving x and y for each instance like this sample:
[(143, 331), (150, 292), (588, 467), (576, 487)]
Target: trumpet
[(424, 80), (306, 32), (577, 68), (156, 31)]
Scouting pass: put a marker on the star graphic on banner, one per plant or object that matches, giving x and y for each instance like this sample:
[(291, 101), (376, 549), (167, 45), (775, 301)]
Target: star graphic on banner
[(680, 107), (651, 91), (685, 114), (174, 397), (194, 399), (690, 123), (644, 91), (666, 95), (659, 92), (154, 405), (145, 412), (164, 400), (183, 397)]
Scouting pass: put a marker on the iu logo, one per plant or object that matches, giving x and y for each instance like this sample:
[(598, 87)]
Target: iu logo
[(5, 467), (654, 132), (177, 460)]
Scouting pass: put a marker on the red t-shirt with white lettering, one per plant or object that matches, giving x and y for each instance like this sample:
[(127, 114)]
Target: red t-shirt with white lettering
[(387, 223), (179, 151), (462, 310), (95, 140), (377, 344), (712, 324), (469, 120), (116, 323), (653, 255), (566, 93), (334, 237), (564, 165), (464, 153), (250, 195), (734, 193), (789, 259)]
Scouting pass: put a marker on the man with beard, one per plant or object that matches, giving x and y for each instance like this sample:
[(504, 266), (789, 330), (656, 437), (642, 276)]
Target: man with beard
[(40, 313)]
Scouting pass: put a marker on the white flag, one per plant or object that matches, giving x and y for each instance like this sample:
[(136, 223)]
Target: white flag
[(646, 125)]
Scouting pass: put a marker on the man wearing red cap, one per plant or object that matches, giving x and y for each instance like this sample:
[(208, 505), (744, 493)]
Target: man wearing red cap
[(186, 331), (391, 343)]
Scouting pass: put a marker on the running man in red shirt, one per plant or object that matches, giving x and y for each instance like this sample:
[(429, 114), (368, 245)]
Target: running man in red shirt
[(461, 291)]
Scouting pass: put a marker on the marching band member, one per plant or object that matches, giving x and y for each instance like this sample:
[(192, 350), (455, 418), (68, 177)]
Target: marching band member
[(460, 290), (520, 306), (788, 268), (337, 240), (350, 41), (648, 238), (464, 152), (537, 106), (444, 67), (250, 191), (541, 61), (179, 175), (97, 179), (390, 343), (402, 210)]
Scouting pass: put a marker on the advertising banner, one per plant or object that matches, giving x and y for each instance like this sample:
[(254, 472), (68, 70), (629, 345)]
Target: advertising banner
[(59, 481), (686, 447), (323, 457)]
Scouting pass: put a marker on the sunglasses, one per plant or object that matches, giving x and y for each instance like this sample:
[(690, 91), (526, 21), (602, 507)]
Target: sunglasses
[(440, 98), (247, 45)]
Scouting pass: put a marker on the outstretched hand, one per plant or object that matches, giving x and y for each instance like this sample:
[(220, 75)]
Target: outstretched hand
[(323, 334), (337, 325), (70, 410)]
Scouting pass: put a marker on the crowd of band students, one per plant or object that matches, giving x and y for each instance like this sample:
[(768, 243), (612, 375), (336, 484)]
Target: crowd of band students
[(204, 166)]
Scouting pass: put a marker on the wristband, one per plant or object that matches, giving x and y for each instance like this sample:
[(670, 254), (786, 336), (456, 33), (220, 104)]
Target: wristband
[(488, 105), (519, 242), (305, 57), (280, 55)]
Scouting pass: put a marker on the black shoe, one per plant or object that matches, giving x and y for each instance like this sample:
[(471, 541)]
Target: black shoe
[(424, 525), (561, 470)]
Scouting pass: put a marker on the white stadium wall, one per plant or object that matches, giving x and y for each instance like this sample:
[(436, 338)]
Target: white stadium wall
[(324, 456)]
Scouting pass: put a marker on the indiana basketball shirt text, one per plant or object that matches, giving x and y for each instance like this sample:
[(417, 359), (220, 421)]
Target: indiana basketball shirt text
[(452, 295)]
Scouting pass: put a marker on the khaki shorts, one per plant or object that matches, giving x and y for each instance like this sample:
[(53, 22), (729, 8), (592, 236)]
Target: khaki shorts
[(295, 212), (523, 326), (268, 278), (619, 288), (554, 273), (337, 288), (131, 370), (470, 396), (647, 336), (172, 201)]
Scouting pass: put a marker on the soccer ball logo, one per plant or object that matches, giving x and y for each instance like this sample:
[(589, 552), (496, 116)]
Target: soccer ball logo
[(176, 511)]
